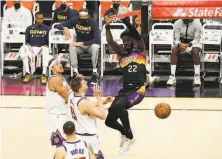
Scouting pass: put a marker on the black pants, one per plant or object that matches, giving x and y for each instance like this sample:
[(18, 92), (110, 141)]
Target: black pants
[(127, 98)]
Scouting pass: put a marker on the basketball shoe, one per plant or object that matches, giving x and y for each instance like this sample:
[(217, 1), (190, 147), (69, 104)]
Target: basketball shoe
[(126, 145)]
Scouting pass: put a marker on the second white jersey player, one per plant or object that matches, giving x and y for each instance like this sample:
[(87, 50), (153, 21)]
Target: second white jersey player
[(85, 113)]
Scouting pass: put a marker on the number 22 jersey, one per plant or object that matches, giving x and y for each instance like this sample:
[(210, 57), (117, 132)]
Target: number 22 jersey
[(133, 67)]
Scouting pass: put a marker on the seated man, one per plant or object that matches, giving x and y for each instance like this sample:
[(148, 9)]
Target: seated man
[(116, 10), (37, 36), (187, 37), (63, 13), (87, 40), (19, 15)]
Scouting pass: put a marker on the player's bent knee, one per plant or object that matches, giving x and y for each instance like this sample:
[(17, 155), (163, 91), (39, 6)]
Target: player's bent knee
[(22, 52), (196, 51)]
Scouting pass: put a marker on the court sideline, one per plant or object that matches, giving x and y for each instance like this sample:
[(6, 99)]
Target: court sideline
[(193, 130)]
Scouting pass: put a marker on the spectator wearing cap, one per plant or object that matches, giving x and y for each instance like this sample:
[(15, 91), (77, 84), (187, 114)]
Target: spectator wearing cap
[(87, 40)]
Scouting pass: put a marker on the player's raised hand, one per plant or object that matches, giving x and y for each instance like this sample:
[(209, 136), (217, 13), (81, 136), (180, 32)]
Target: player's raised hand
[(108, 100), (80, 76), (97, 91)]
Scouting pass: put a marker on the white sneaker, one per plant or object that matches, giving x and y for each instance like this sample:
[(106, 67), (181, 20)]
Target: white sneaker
[(171, 81), (123, 139), (150, 80), (126, 146), (196, 80)]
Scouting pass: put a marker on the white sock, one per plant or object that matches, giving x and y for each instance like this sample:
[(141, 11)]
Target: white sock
[(44, 70), (75, 70), (173, 69), (197, 69), (95, 70)]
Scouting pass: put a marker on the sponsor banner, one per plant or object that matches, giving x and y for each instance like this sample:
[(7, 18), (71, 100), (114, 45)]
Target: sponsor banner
[(186, 12), (186, 3)]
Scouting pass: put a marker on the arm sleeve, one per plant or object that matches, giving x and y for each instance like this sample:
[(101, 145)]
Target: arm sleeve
[(96, 35), (69, 24), (176, 33), (73, 14), (198, 33), (27, 35)]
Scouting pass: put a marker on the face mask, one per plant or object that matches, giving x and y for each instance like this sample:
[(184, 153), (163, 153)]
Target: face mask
[(17, 5), (116, 5), (187, 21), (83, 21), (63, 7)]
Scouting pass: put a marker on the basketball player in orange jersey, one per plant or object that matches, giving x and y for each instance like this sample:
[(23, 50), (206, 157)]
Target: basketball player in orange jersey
[(73, 148), (133, 63), (57, 110)]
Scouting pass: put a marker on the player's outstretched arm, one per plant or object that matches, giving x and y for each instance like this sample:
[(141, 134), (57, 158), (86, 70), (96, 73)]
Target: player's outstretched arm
[(139, 41), (56, 84), (109, 38), (88, 108)]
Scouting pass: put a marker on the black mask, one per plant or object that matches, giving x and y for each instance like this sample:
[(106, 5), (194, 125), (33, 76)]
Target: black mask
[(187, 21), (116, 5), (83, 21), (63, 7), (17, 5)]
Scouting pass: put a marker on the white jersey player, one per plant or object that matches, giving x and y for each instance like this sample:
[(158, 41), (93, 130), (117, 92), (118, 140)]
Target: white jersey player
[(73, 148), (85, 113), (57, 110)]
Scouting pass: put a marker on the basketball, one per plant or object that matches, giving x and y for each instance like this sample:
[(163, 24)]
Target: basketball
[(162, 110)]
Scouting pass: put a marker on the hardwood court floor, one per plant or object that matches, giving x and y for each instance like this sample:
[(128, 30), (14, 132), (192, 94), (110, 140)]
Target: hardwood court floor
[(194, 130)]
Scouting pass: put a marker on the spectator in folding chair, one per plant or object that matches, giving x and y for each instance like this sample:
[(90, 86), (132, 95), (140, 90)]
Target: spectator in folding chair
[(19, 15), (87, 40), (187, 35), (37, 37), (61, 14), (116, 10)]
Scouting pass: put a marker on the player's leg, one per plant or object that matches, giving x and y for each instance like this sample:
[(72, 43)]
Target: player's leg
[(196, 60), (25, 59), (74, 51), (54, 123), (174, 57), (94, 51), (133, 98), (94, 142), (112, 119), (45, 61)]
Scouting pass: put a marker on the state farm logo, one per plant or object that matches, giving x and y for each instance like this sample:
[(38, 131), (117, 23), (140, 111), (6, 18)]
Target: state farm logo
[(179, 13), (198, 12)]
